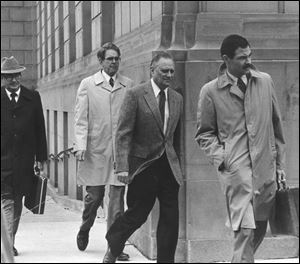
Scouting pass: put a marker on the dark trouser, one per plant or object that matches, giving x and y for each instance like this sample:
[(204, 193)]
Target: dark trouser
[(12, 208), (247, 241), (93, 200), (157, 181)]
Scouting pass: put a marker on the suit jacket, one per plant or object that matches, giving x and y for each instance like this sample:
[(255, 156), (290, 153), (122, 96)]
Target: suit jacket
[(23, 138), (140, 139)]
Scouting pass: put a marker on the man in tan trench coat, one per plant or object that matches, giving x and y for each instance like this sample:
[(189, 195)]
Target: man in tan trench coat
[(240, 129), (98, 101)]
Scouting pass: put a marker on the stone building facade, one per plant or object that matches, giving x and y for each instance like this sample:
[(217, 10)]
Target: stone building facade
[(68, 36), (18, 36)]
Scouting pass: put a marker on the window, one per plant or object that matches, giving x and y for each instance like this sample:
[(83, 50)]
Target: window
[(96, 24), (130, 15), (49, 31), (78, 29), (66, 33), (56, 35)]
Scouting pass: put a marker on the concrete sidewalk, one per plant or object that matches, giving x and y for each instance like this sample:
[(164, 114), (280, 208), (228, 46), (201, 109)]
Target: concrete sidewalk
[(51, 238)]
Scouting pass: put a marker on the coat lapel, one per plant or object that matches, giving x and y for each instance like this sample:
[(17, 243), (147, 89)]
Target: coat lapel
[(224, 80), (120, 83), (100, 80), (237, 91), (25, 97), (152, 103), (5, 102)]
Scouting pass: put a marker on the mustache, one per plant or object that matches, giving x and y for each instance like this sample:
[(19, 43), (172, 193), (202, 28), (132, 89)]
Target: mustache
[(249, 65)]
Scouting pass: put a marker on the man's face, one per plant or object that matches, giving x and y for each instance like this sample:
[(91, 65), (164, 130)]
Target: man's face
[(162, 72), (240, 63), (11, 81), (111, 62)]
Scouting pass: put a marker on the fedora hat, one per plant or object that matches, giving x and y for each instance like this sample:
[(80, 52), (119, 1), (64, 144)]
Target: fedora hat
[(10, 66)]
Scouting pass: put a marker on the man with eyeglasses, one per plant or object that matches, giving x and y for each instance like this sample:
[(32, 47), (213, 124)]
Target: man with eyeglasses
[(97, 107), (148, 153), (240, 129), (23, 141)]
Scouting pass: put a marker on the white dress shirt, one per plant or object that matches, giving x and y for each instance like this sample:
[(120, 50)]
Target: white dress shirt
[(235, 79), (107, 77), (17, 92), (156, 93)]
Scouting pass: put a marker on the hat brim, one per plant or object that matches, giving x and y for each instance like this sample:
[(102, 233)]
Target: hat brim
[(13, 71)]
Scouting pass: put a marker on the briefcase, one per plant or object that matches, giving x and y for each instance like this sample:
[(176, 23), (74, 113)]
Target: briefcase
[(35, 200), (284, 219)]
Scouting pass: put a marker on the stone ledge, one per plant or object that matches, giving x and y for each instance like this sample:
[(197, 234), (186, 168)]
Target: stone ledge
[(221, 250)]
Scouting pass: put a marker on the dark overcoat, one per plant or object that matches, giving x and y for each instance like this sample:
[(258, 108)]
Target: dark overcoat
[(23, 139)]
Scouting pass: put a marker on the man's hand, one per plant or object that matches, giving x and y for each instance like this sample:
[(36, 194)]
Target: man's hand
[(123, 177), (42, 167), (281, 177), (221, 167), (80, 155)]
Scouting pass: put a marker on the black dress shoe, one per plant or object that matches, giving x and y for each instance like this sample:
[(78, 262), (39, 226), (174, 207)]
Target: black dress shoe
[(109, 257), (82, 239), (15, 251), (123, 257)]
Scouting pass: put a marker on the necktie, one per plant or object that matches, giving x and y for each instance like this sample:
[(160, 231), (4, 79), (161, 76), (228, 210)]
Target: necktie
[(111, 82), (13, 98), (161, 104), (241, 85)]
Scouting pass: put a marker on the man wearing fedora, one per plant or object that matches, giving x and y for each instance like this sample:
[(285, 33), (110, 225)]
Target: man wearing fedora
[(23, 141)]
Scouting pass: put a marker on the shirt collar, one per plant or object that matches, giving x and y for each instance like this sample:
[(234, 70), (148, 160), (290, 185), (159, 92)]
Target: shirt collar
[(107, 77), (157, 90), (224, 80), (9, 93), (235, 79)]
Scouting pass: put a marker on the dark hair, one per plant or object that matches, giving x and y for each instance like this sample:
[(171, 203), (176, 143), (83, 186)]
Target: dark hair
[(231, 43), (159, 55), (105, 47)]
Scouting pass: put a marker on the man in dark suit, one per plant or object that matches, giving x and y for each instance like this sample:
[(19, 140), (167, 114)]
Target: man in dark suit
[(147, 144), (23, 140)]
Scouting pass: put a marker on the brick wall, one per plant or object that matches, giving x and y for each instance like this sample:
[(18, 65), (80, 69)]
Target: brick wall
[(18, 36)]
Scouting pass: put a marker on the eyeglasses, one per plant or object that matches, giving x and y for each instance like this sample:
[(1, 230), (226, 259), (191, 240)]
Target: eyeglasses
[(113, 58), (165, 71), (10, 77)]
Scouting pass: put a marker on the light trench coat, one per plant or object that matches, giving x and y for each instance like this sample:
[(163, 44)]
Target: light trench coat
[(245, 132), (96, 116)]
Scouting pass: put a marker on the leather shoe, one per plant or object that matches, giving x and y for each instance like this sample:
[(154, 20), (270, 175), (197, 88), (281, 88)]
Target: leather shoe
[(109, 257), (15, 251), (123, 257), (82, 239)]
